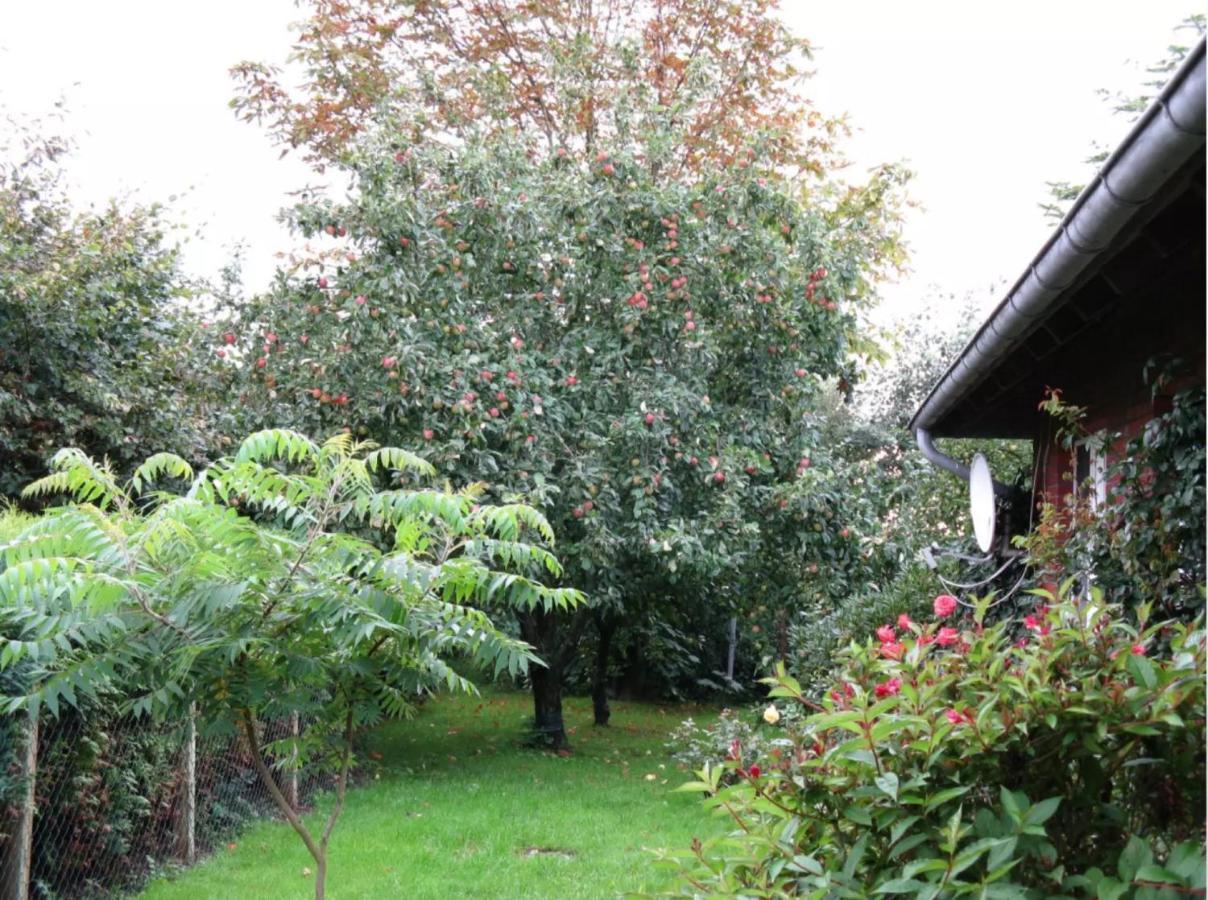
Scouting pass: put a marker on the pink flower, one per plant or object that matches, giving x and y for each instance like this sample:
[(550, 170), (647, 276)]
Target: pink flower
[(735, 750), (1030, 622), (888, 688), (953, 716), (945, 605), (885, 634), (1138, 649), (904, 622), (892, 650), (947, 637)]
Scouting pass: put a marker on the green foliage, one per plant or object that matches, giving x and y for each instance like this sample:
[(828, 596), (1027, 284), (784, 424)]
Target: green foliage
[(105, 812), (284, 579), (950, 761), (94, 332), (12, 681)]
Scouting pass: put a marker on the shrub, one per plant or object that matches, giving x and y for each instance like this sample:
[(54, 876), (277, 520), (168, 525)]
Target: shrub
[(820, 634), (949, 760), (695, 746)]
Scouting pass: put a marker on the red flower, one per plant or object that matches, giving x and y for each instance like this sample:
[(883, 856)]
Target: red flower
[(1030, 623), (842, 693), (947, 637), (904, 622), (953, 716), (889, 688), (945, 605), (892, 650), (885, 634), (753, 771)]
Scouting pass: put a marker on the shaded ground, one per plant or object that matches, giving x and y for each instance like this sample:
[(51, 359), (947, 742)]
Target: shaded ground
[(460, 809)]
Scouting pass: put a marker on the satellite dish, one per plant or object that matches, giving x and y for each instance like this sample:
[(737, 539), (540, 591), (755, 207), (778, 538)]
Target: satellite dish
[(981, 502)]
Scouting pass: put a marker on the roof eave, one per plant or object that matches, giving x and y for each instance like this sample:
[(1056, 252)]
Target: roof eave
[(1168, 133)]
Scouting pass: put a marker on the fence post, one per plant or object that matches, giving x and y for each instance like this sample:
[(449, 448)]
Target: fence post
[(292, 785), (16, 868), (187, 822)]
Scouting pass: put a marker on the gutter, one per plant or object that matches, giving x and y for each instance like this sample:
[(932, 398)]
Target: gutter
[(1168, 133)]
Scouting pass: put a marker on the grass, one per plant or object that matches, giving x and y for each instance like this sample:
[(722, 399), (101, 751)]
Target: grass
[(459, 808)]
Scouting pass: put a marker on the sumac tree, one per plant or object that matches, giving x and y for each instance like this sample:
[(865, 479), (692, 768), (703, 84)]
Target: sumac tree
[(330, 581)]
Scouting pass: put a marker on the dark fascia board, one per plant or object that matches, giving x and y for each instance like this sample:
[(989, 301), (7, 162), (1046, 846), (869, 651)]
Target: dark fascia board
[(1168, 133)]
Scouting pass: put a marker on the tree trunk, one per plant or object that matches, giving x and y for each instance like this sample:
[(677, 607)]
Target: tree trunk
[(317, 849), (782, 634), (732, 649), (556, 647), (547, 708), (605, 627)]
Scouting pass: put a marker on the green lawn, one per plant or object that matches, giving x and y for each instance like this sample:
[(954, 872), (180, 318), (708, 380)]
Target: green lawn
[(460, 809)]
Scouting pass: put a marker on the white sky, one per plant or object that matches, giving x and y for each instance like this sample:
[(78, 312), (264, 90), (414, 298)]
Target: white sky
[(985, 102)]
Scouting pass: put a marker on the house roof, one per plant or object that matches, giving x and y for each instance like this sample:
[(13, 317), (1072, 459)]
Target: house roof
[(1133, 239)]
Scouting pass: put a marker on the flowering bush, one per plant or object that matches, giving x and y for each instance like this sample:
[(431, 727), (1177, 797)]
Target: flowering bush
[(695, 746), (950, 760)]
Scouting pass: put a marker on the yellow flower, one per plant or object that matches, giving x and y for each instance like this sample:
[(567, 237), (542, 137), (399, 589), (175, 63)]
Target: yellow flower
[(771, 715)]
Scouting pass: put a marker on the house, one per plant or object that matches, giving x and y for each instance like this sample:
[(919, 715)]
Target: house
[(1121, 281)]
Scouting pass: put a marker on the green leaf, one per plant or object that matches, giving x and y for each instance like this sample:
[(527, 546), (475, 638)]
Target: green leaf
[(1135, 855), (1158, 873), (1041, 812), (1142, 670), (888, 782), (900, 886), (942, 797)]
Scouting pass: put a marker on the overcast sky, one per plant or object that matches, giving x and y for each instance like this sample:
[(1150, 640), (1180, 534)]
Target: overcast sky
[(985, 102)]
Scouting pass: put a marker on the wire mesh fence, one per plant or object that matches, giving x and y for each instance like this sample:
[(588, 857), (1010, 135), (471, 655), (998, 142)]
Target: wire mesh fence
[(93, 805)]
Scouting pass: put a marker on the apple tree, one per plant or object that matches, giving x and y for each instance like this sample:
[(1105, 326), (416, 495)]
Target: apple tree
[(566, 75), (635, 355)]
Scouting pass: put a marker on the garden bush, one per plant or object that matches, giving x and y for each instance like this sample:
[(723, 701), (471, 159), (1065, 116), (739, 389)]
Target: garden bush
[(950, 759), (817, 636)]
